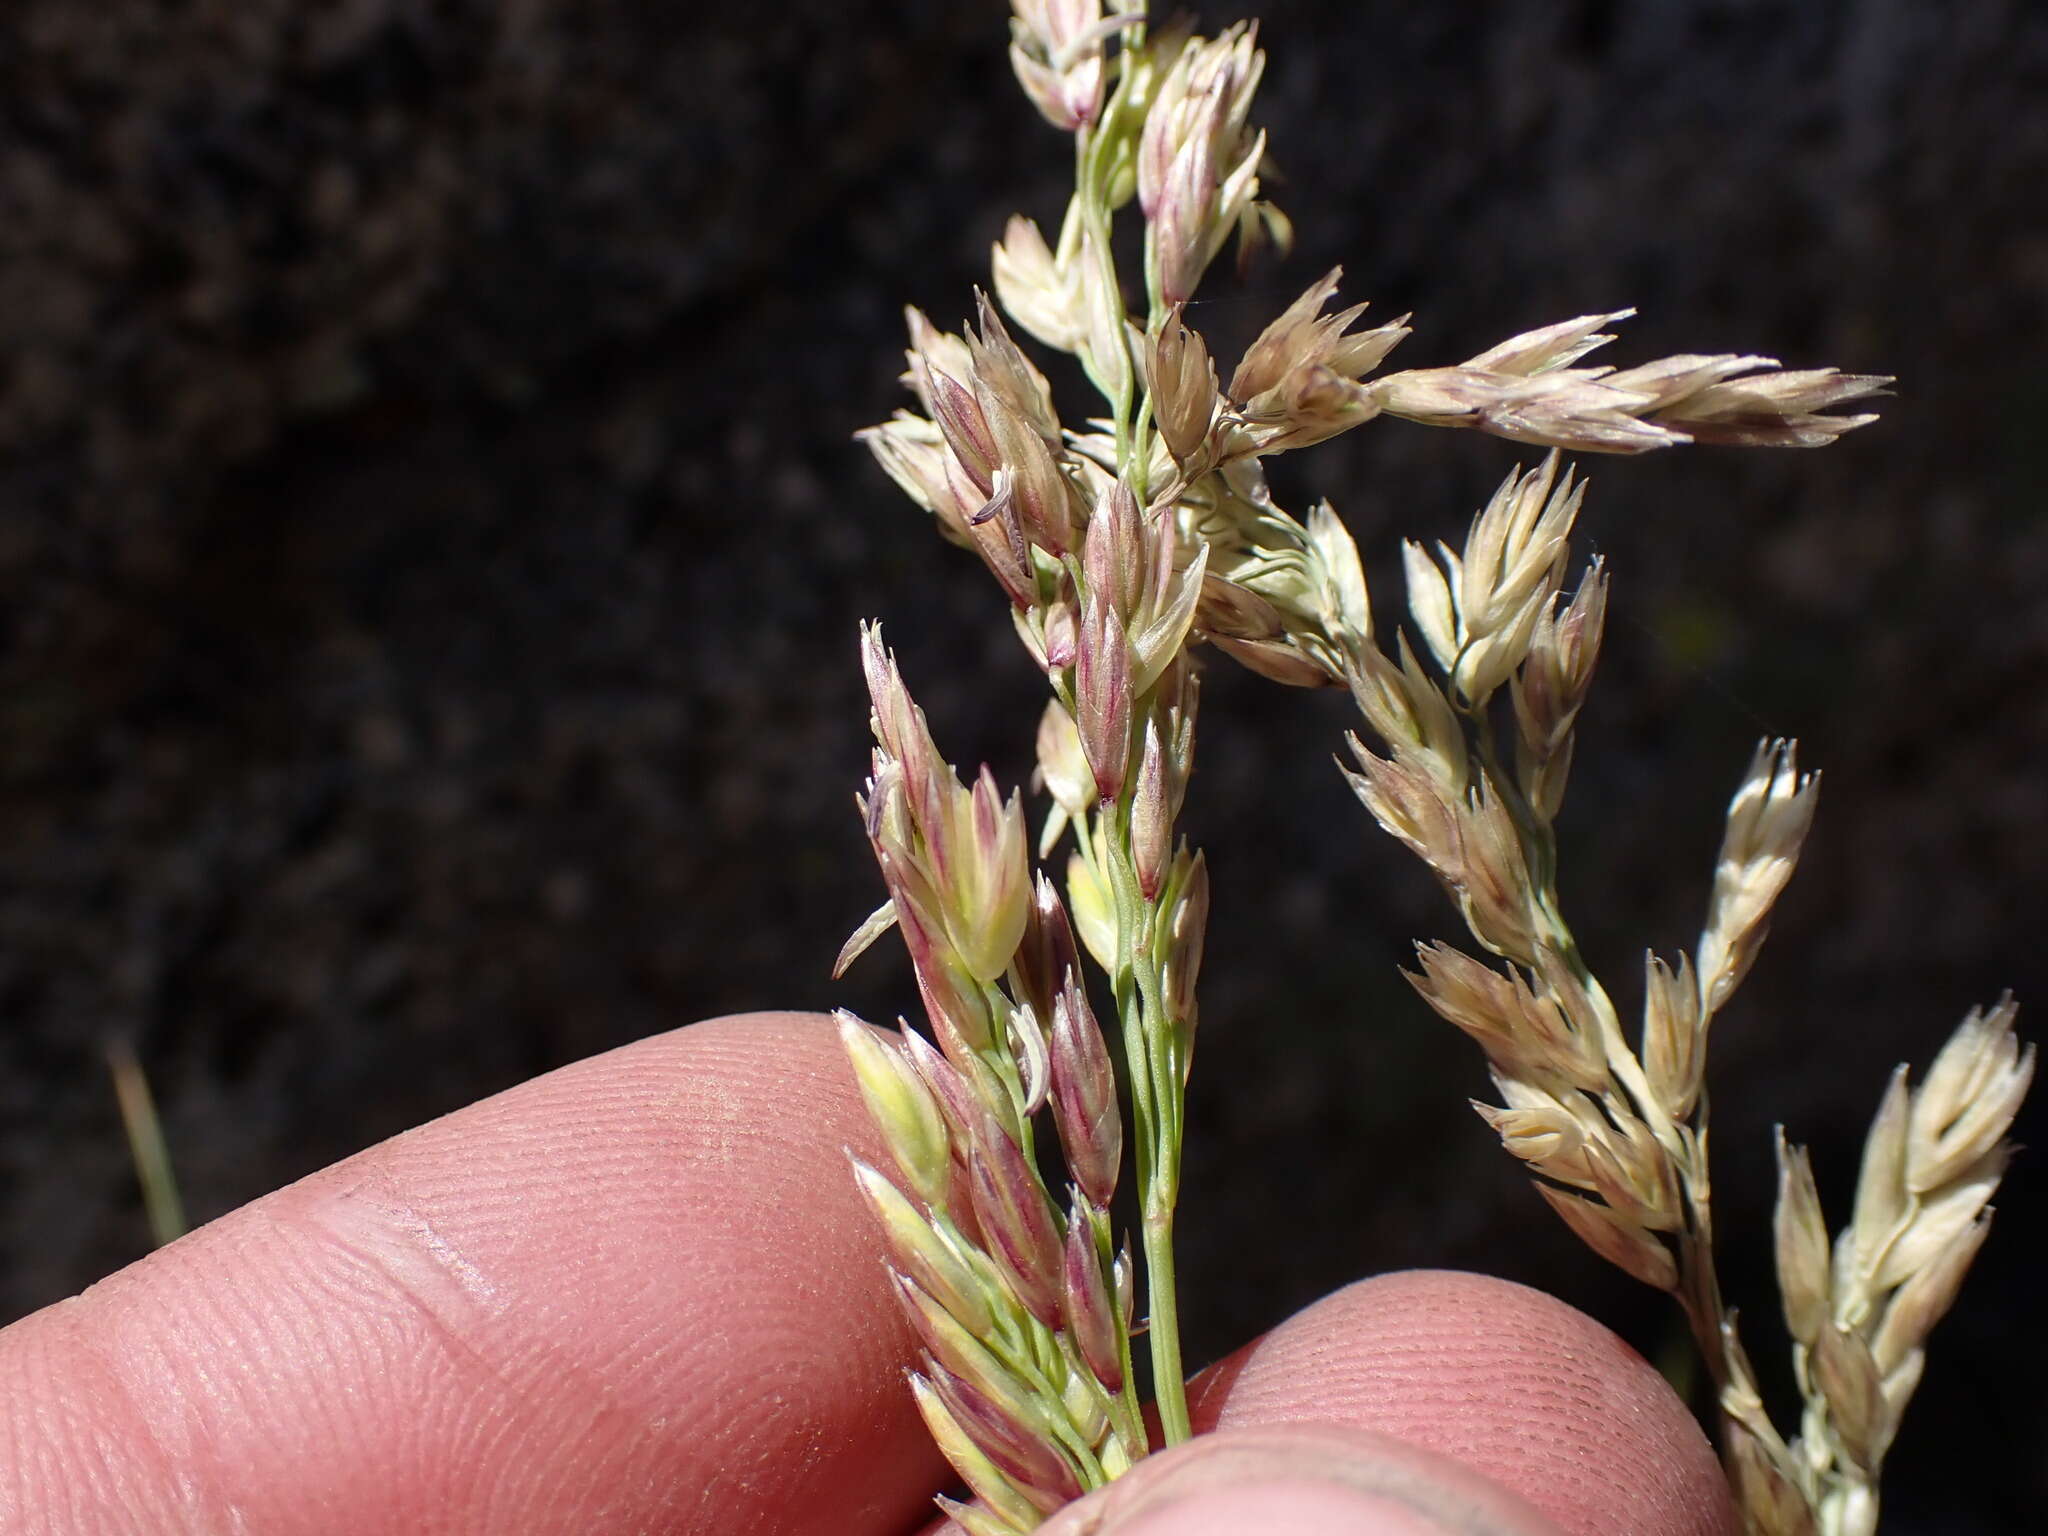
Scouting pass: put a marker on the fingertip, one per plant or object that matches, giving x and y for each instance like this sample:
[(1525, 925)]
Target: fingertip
[(1287, 1508), (1511, 1382)]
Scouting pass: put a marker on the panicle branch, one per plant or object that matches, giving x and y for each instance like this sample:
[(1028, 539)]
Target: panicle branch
[(1616, 1134), (1026, 1383), (1526, 389)]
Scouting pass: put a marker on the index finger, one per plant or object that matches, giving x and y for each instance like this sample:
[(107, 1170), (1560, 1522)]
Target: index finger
[(639, 1292)]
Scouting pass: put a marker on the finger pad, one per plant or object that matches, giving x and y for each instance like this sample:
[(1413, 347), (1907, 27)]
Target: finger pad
[(1511, 1382)]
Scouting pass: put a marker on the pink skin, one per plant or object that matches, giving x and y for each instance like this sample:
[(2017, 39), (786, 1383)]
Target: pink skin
[(641, 1294)]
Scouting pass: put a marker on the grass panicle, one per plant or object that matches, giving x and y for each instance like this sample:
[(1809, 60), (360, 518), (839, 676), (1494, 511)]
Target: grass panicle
[(1125, 539)]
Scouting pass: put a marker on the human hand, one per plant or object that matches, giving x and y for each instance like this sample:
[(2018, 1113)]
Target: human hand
[(640, 1294)]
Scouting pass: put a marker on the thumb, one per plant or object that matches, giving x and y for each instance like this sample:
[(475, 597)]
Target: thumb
[(1301, 1480)]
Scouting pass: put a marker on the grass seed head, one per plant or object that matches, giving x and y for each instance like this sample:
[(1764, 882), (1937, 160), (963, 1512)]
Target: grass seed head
[(903, 1109)]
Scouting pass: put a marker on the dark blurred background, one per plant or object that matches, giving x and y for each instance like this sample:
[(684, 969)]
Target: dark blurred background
[(431, 546)]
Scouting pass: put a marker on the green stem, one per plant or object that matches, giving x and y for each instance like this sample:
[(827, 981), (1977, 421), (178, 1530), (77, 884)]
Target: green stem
[(1149, 1036), (1151, 1058), (1126, 1412), (1162, 1300), (1161, 1197), (1095, 217), (1035, 1376)]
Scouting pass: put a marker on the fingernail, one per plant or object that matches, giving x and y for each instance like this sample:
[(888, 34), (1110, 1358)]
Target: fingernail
[(1301, 1480), (1284, 1509)]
